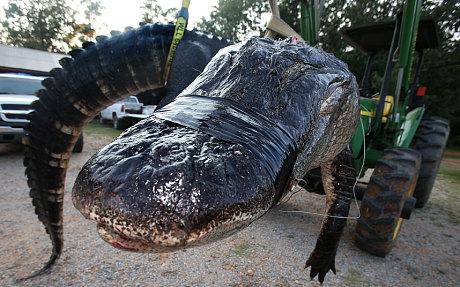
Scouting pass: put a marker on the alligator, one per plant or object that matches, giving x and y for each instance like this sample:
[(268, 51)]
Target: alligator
[(209, 162)]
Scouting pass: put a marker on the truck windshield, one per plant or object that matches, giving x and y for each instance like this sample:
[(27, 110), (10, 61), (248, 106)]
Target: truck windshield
[(19, 86), (130, 100)]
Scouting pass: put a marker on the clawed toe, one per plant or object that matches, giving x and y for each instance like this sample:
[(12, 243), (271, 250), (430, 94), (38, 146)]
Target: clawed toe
[(320, 266)]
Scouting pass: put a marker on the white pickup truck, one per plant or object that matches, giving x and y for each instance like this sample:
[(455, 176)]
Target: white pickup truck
[(17, 92), (120, 112)]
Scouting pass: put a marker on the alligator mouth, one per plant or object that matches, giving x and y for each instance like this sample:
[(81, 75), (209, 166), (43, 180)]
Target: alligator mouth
[(125, 237), (123, 242), (161, 242)]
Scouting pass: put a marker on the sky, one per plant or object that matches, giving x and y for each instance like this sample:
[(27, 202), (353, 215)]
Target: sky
[(121, 13)]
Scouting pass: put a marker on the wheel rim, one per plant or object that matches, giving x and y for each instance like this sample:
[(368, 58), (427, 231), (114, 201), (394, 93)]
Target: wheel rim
[(398, 227), (400, 220)]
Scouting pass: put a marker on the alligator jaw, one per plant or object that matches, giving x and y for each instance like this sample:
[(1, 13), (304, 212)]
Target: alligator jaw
[(121, 242), (131, 237)]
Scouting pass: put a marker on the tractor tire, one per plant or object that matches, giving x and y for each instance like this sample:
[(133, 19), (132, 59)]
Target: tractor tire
[(387, 199), (78, 147), (430, 140)]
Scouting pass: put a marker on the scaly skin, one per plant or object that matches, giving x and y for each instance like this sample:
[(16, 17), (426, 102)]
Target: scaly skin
[(167, 183)]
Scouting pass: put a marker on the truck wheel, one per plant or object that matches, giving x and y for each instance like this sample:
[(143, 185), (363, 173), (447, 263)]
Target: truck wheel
[(117, 123), (430, 140), (78, 147), (102, 120), (387, 200)]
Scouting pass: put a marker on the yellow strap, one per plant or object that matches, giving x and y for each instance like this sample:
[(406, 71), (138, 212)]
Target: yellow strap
[(181, 25), (185, 3)]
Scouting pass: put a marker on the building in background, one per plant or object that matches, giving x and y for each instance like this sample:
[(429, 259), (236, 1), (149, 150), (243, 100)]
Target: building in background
[(30, 61)]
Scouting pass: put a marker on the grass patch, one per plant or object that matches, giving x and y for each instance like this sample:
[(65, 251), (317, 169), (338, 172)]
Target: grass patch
[(451, 156), (96, 128), (453, 153), (453, 149), (355, 278), (241, 249), (453, 173)]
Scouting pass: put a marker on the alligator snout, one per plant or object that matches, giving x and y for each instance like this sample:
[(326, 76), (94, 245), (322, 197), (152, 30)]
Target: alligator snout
[(157, 193)]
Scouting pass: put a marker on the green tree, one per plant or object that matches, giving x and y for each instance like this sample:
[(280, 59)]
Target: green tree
[(234, 19), (85, 31), (442, 66), (93, 10), (39, 24), (152, 12)]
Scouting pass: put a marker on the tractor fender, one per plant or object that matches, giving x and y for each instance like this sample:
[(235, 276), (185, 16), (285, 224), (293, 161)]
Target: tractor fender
[(409, 127)]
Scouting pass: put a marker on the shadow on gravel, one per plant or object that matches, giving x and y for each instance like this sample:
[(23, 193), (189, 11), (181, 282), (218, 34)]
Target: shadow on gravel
[(11, 148)]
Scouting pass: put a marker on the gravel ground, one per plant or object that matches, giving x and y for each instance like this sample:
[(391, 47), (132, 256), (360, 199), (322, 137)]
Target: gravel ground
[(271, 252)]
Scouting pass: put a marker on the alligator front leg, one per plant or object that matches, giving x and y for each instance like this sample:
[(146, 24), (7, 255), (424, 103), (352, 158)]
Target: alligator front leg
[(338, 178)]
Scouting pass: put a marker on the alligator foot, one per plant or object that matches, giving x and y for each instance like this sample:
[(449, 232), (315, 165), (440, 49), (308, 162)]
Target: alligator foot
[(320, 264), (338, 177)]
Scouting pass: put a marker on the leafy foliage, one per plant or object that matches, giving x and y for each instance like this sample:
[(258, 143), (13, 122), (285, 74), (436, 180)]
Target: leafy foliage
[(48, 25), (234, 19), (39, 24), (442, 67), (152, 12), (93, 9)]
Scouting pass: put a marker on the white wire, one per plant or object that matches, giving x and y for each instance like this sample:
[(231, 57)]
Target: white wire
[(354, 187)]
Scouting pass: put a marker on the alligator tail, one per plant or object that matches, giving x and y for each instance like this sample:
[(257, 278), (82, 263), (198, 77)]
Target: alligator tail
[(93, 78)]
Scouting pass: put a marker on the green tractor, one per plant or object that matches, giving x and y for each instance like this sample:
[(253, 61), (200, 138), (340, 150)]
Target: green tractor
[(394, 138)]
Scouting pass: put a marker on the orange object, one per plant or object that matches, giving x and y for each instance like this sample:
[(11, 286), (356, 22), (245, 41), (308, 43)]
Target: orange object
[(421, 91)]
